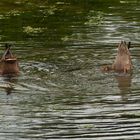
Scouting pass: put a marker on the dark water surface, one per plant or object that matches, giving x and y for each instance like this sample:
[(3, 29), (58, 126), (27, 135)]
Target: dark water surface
[(61, 92)]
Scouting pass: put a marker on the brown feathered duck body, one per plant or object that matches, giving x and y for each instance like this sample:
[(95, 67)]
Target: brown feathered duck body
[(122, 61), (9, 63)]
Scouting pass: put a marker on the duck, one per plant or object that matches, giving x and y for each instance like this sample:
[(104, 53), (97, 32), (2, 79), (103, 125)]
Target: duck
[(8, 63), (122, 62)]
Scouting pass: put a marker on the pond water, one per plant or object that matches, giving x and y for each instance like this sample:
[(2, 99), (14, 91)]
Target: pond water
[(61, 92)]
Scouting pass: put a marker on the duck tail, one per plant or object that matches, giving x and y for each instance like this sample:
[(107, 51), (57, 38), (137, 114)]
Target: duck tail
[(7, 54)]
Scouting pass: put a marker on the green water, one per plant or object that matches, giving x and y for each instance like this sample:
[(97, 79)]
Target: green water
[(61, 92)]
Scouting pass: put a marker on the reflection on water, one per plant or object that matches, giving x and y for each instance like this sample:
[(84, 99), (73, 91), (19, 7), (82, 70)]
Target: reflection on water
[(9, 81), (124, 84), (61, 92)]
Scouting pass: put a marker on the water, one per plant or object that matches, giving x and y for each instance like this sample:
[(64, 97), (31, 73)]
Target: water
[(61, 92)]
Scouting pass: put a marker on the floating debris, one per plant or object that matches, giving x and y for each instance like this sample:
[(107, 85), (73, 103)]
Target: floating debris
[(32, 30), (95, 18)]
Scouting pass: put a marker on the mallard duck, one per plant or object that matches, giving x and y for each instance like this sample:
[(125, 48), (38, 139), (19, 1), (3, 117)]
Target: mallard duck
[(122, 61), (8, 63)]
